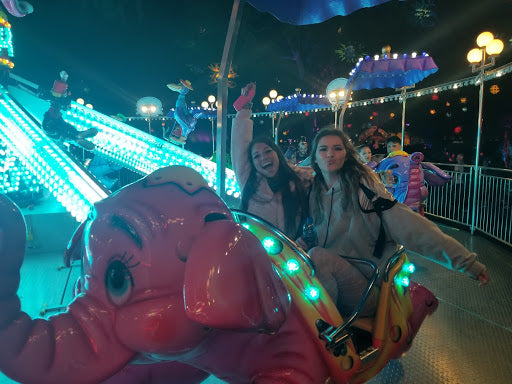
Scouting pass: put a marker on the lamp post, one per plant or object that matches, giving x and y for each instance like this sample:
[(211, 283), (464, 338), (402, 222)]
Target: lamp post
[(337, 95), (149, 106), (211, 101), (272, 96), (149, 109), (481, 58)]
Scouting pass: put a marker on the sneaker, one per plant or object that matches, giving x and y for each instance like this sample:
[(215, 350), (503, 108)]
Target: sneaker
[(91, 132), (85, 144)]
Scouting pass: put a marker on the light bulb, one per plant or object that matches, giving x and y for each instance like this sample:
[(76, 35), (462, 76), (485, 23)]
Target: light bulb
[(494, 47), (475, 55), (484, 38)]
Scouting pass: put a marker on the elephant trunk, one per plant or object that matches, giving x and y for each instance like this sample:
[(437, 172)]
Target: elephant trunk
[(415, 186), (62, 348)]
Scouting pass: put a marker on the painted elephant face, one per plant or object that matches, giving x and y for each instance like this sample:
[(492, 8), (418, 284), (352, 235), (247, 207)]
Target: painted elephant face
[(138, 245)]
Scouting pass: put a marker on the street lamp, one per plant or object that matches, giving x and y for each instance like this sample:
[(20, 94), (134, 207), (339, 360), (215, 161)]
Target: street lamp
[(272, 96), (82, 102), (481, 58), (149, 106), (211, 101), (337, 94)]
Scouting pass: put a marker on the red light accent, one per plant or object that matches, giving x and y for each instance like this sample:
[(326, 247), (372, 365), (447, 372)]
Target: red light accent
[(435, 97), (457, 129)]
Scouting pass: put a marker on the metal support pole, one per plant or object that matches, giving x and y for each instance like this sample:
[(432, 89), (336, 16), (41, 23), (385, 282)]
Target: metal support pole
[(476, 181), (345, 105), (404, 99), (222, 95), (213, 135), (335, 116), (274, 131)]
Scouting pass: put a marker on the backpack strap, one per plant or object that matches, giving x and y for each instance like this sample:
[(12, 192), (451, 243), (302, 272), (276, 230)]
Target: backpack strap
[(379, 205)]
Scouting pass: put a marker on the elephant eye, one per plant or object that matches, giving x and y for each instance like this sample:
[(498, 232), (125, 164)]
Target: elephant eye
[(394, 166), (214, 217), (118, 282)]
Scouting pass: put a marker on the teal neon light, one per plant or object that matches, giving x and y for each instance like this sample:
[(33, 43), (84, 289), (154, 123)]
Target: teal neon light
[(402, 280), (292, 266), (141, 152), (312, 293), (44, 159), (272, 245)]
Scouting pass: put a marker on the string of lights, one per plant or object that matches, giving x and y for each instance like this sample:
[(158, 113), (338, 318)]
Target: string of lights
[(322, 99)]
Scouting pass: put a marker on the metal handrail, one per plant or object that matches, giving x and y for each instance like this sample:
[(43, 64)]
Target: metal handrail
[(335, 337), (456, 201)]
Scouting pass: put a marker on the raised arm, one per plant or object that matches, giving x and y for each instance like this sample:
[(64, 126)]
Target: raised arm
[(241, 135)]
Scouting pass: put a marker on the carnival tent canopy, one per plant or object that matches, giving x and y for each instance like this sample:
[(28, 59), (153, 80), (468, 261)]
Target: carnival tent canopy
[(303, 12), (299, 103), (390, 72)]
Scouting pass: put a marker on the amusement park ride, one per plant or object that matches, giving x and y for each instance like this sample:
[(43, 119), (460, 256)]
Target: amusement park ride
[(181, 290), (194, 289)]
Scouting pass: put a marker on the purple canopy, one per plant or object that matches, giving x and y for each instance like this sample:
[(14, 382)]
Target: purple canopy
[(298, 103), (303, 12), (386, 72)]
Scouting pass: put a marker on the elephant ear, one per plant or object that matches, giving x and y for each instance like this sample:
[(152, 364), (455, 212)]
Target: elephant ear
[(434, 175), (230, 282)]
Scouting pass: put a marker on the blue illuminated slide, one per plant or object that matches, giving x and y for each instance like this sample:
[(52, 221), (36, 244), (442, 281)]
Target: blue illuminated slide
[(117, 142), (69, 183)]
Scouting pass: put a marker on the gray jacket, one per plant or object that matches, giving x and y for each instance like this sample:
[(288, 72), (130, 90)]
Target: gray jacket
[(351, 232)]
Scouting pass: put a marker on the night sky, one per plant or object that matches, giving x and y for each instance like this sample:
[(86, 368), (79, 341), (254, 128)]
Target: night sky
[(117, 51)]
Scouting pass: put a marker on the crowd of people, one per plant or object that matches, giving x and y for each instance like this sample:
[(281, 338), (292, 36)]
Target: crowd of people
[(352, 212)]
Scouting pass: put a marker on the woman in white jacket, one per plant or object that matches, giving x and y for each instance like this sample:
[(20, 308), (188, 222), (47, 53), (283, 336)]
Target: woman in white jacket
[(271, 189), (344, 201)]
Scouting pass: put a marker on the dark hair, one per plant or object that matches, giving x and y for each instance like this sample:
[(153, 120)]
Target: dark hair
[(351, 173), (295, 203), (360, 147), (393, 139), (290, 152)]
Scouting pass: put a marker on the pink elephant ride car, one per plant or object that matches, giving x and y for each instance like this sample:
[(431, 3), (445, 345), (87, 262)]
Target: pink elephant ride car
[(177, 287)]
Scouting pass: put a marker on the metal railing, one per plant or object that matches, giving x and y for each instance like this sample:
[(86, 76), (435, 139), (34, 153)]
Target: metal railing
[(492, 204)]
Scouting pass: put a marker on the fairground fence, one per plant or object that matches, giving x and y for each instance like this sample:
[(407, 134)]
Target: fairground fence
[(485, 207)]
